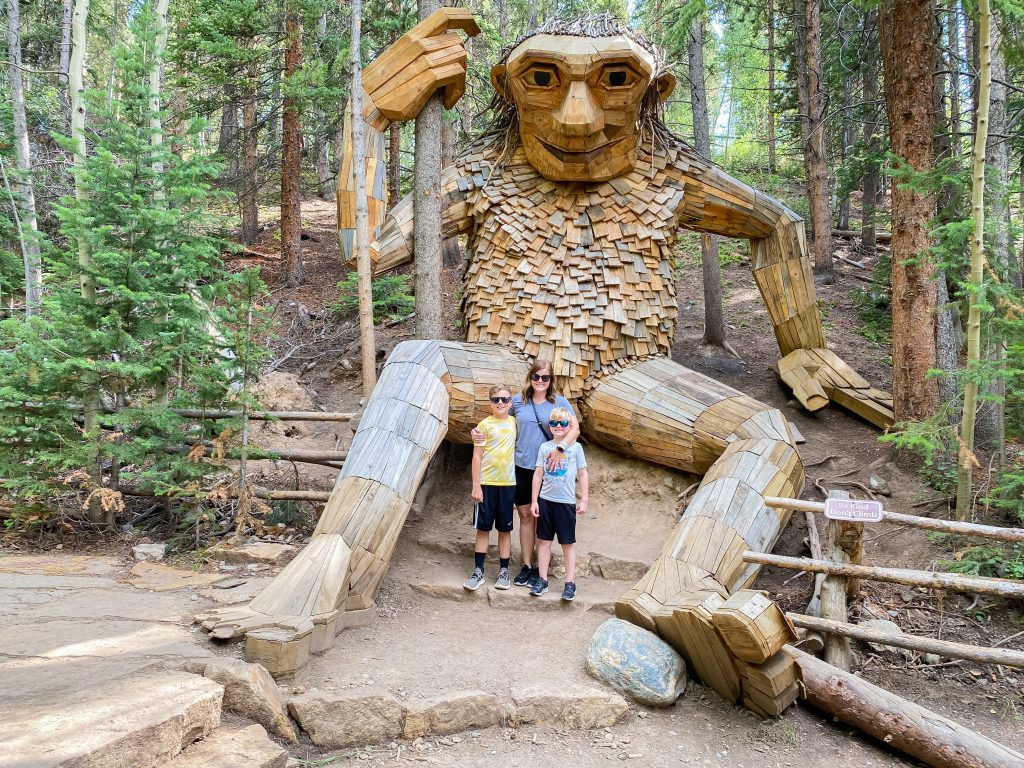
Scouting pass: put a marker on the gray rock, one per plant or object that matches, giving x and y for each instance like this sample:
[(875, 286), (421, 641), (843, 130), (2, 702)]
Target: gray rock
[(637, 663), (245, 748), (250, 691), (567, 707), (889, 627), (348, 719), (613, 568), (153, 553), (452, 713), (879, 484), (257, 553)]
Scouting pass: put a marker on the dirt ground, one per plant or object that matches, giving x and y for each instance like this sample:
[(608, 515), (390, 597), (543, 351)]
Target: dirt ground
[(429, 639)]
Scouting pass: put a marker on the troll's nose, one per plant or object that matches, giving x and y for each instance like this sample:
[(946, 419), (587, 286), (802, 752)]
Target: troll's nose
[(579, 115)]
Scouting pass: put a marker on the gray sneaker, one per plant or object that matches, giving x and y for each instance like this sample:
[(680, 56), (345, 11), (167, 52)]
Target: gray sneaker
[(504, 581), (474, 581)]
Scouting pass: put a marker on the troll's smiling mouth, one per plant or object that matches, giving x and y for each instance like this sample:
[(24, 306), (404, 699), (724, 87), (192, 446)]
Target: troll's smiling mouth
[(563, 154)]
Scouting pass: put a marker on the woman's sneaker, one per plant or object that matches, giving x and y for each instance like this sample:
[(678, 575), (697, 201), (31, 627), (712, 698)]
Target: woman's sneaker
[(525, 577), (540, 586), (474, 581), (569, 593), (503, 581)]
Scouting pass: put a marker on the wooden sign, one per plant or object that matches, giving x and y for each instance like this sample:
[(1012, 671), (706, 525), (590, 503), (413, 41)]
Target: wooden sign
[(854, 510)]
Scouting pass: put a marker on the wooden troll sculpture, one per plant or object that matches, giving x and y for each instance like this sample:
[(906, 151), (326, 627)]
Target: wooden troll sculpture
[(571, 203)]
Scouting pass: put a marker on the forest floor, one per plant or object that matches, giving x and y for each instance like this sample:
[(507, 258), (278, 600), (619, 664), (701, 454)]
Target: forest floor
[(633, 508), (431, 638)]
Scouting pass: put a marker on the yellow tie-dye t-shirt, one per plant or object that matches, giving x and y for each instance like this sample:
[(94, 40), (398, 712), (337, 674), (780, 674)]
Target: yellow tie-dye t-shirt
[(498, 464)]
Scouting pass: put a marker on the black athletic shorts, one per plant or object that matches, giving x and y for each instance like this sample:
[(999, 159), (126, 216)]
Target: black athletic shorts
[(496, 510), (556, 519), (524, 486)]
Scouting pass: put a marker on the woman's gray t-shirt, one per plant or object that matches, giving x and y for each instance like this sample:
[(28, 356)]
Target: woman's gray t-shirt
[(531, 436)]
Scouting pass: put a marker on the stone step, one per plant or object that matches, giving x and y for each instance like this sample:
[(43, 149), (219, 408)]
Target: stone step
[(354, 719), (249, 747), (591, 597), (90, 713), (587, 563)]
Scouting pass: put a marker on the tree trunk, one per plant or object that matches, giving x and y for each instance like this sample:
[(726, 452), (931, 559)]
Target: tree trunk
[(28, 228), (291, 157), (364, 264), (714, 324), (846, 139), (899, 723), (227, 141), (156, 137), (772, 161), (451, 252), (427, 210), (905, 30), (76, 93), (953, 65), (870, 182), (65, 38), (394, 164), (976, 282), (249, 181), (990, 428), (814, 150), (326, 183)]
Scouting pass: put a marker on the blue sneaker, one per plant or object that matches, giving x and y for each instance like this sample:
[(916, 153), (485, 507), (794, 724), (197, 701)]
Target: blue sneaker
[(540, 586), (569, 593), (525, 577)]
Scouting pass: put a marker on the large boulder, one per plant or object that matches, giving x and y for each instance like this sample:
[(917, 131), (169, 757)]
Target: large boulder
[(335, 720), (637, 663), (250, 691)]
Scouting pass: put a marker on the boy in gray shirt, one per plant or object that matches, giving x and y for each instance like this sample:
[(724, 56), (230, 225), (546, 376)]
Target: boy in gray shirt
[(554, 504)]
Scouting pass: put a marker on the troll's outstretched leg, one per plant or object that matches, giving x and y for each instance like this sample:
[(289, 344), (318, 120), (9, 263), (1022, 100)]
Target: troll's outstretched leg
[(427, 390), (663, 412)]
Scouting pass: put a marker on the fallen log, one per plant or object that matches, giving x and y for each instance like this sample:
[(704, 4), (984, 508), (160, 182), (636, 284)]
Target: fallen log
[(974, 585), (848, 234), (1005, 656), (914, 521), (262, 493), (199, 413), (901, 724)]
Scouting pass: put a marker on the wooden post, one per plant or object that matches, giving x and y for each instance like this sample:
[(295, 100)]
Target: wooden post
[(834, 589)]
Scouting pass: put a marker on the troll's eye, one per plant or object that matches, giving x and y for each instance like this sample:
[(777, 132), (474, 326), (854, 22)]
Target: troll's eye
[(541, 77), (618, 77)]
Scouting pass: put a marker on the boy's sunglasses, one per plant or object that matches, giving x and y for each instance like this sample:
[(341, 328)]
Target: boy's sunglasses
[(541, 376), (558, 423), (497, 400)]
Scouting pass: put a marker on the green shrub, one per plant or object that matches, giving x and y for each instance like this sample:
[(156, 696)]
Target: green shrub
[(392, 298)]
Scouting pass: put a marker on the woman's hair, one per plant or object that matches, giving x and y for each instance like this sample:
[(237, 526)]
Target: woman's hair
[(561, 414), (540, 364)]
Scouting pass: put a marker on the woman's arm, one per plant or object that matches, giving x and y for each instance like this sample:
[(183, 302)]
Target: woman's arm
[(584, 478), (538, 478)]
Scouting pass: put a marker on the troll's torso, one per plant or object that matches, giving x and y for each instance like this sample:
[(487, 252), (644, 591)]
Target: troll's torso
[(579, 273)]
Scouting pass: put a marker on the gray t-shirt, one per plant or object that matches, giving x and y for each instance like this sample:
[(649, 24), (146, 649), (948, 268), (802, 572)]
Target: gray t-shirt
[(560, 484), (530, 435)]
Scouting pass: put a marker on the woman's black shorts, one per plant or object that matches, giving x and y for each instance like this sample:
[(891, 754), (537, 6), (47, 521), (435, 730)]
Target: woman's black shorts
[(524, 486)]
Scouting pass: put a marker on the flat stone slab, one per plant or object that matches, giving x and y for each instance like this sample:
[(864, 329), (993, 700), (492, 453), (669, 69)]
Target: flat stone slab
[(58, 564), (86, 713), (164, 578), (103, 638), (243, 748), (262, 552), (334, 720)]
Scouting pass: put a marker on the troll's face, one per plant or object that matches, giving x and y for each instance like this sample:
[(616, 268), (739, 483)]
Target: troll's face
[(579, 101)]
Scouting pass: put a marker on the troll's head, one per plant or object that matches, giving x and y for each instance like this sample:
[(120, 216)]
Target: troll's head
[(580, 95)]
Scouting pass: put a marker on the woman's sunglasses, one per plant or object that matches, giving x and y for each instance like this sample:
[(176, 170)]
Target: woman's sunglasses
[(541, 376), (558, 423), (497, 400)]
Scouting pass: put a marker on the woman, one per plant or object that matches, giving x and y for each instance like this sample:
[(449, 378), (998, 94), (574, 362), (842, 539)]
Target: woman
[(532, 409)]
